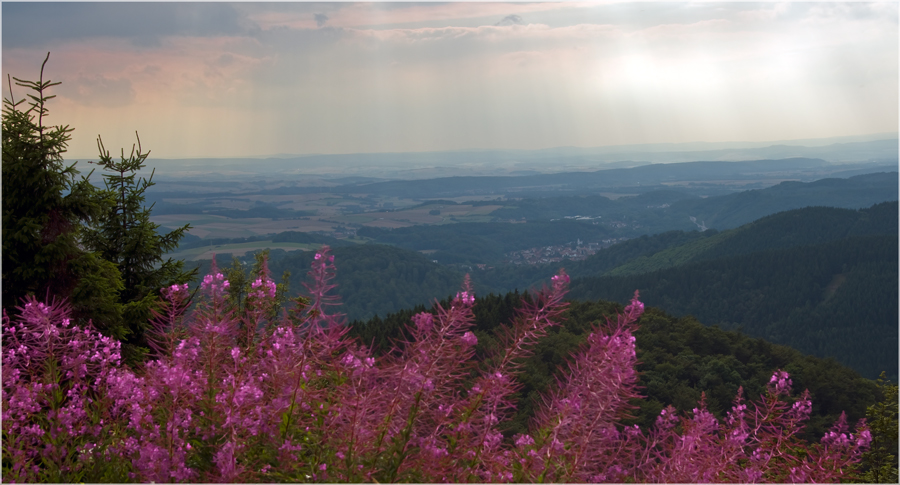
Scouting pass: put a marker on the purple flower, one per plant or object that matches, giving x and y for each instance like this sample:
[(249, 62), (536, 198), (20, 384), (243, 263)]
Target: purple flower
[(780, 382), (465, 298), (215, 285), (636, 308), (424, 321), (524, 440), (469, 339)]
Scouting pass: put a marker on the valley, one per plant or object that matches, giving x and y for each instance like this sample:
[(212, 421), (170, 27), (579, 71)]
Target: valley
[(783, 249)]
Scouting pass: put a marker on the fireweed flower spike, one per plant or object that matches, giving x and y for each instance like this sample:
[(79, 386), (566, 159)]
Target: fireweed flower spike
[(215, 285), (304, 402), (322, 272)]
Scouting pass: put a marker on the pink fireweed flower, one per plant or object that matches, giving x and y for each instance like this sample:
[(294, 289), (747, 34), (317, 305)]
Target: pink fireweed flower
[(264, 288), (176, 292), (215, 284), (780, 382), (864, 439), (802, 408), (469, 339), (424, 321), (667, 418), (560, 281), (636, 308), (465, 298), (524, 440)]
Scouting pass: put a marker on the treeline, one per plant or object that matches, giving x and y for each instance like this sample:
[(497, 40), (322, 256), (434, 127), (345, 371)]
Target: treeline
[(811, 296), (472, 242), (680, 358), (733, 210), (810, 225), (372, 279), (834, 299), (309, 238), (665, 210), (259, 211), (635, 178), (644, 254)]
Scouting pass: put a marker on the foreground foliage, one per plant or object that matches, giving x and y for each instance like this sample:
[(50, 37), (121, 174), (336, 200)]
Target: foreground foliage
[(63, 236), (245, 397), (678, 359)]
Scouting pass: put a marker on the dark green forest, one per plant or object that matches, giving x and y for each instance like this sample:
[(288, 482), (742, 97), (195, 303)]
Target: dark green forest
[(810, 225), (646, 253), (473, 242), (372, 279), (654, 212), (822, 280), (836, 299), (740, 208), (679, 358)]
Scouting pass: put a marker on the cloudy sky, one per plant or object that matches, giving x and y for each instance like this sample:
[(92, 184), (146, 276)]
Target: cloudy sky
[(256, 79)]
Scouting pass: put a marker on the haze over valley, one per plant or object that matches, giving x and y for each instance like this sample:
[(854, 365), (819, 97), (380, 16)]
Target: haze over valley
[(622, 223)]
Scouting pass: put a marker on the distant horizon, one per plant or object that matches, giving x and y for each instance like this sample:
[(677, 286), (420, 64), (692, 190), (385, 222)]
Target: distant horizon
[(220, 79), (712, 146)]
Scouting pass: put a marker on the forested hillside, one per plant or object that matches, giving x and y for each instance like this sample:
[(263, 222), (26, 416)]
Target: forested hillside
[(809, 278), (653, 212), (836, 299), (679, 358), (733, 210), (373, 278), (658, 209), (484, 242), (508, 277), (644, 254), (811, 225)]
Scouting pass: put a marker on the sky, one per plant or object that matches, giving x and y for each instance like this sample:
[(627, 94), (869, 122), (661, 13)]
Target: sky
[(260, 79)]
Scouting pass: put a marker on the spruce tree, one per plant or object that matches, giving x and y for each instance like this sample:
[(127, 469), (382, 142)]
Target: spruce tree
[(65, 239), (44, 205), (125, 236)]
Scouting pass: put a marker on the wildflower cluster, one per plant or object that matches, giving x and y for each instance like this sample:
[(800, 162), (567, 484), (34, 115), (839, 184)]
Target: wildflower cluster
[(215, 284), (230, 399)]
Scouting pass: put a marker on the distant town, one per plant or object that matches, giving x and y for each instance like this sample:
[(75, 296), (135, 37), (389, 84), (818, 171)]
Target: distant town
[(573, 251)]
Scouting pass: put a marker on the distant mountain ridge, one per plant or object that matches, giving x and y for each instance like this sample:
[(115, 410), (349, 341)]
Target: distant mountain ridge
[(820, 279), (733, 210), (648, 175), (424, 165), (653, 212), (778, 231)]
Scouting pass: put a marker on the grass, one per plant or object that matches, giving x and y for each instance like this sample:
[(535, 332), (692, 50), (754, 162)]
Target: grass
[(239, 249)]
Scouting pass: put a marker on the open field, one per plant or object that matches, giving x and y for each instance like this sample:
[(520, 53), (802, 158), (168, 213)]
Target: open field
[(238, 249), (330, 216), (421, 215), (210, 226)]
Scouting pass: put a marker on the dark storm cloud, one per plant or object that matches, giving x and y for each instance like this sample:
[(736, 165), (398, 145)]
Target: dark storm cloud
[(510, 20), (321, 19), (30, 24)]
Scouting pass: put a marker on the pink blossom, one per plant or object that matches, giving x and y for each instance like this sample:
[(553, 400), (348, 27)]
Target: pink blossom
[(465, 298), (469, 339), (302, 397)]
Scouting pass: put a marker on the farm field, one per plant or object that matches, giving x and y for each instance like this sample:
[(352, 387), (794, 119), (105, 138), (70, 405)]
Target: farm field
[(240, 249), (328, 219), (211, 226)]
